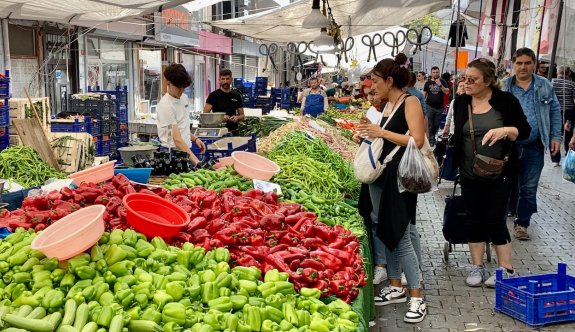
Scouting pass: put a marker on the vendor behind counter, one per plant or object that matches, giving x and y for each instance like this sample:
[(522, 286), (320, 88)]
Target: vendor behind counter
[(226, 100)]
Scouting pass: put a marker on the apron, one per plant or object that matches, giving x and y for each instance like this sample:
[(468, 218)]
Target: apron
[(314, 104)]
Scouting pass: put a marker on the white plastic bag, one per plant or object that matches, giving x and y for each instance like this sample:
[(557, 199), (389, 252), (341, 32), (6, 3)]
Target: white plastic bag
[(569, 166), (414, 174)]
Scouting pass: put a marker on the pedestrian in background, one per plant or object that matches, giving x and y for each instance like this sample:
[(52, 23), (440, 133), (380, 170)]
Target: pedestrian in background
[(540, 105), (487, 122), (434, 91), (565, 91)]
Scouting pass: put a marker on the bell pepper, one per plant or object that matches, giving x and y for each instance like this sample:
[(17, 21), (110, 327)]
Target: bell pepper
[(177, 276), (310, 292), (128, 279), (18, 259), (161, 298), (284, 287), (134, 313), (53, 300), (246, 273), (163, 270), (222, 304), (310, 275), (286, 326), (230, 321), (213, 318), (26, 298), (209, 292), (290, 314), (172, 327), (174, 312), (116, 237), (57, 275), (96, 253), (131, 252), (238, 301), (303, 317), (109, 277), (269, 326), (122, 268), (159, 281), (182, 270), (89, 293), (275, 300), (184, 258), (346, 324), (350, 315), (85, 272), (21, 277), (144, 248), (224, 279), (222, 255), (266, 289), (193, 292), (130, 237), (176, 289), (141, 300), (115, 254), (207, 276), (152, 314), (125, 297), (222, 267), (252, 317), (103, 317), (256, 302), (159, 243), (224, 291), (108, 298), (272, 314), (339, 307)]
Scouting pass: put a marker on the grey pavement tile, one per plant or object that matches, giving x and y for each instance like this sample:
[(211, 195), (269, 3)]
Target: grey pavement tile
[(452, 306)]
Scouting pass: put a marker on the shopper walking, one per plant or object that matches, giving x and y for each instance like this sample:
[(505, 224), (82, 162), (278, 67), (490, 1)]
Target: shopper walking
[(434, 91), (487, 123), (420, 84), (412, 90), (173, 113), (396, 210), (449, 126), (540, 105), (565, 91)]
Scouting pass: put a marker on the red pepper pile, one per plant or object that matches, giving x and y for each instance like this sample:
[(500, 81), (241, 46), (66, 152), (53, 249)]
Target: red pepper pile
[(257, 229)]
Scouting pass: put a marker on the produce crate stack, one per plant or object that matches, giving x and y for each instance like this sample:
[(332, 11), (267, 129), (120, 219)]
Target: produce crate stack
[(5, 110), (281, 97), (293, 98), (261, 88), (248, 94), (238, 83), (265, 103), (102, 111), (121, 136)]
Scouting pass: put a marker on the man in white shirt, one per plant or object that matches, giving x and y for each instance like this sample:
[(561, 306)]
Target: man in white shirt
[(173, 111)]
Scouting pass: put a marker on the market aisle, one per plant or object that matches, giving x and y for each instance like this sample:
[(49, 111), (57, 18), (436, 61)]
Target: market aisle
[(455, 307)]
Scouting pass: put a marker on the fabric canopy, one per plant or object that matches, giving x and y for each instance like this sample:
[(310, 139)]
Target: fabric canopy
[(356, 17), (81, 12)]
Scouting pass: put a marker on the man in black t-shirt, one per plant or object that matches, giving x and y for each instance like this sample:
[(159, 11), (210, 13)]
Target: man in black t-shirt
[(225, 100), (434, 91)]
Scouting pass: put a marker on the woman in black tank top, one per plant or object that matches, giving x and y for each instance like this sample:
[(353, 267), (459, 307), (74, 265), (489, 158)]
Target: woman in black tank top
[(395, 211)]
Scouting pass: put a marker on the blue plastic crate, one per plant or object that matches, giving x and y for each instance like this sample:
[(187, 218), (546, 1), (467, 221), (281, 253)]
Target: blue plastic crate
[(537, 299), (102, 148), (5, 114), (76, 126), (15, 199), (5, 85), (122, 115), (262, 80), (4, 131), (196, 149), (250, 146), (96, 109), (238, 82), (121, 95)]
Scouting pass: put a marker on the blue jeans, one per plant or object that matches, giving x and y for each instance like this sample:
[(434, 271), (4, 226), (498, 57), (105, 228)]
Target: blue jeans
[(378, 247), (531, 160), (404, 256)]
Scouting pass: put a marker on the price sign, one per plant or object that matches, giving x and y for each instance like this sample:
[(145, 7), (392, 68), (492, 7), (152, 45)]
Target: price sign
[(317, 127), (267, 187)]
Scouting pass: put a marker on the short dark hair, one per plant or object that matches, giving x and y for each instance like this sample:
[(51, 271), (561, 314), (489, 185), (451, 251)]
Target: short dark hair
[(422, 73), (225, 72), (314, 79), (434, 68), (394, 68), (177, 75), (524, 51)]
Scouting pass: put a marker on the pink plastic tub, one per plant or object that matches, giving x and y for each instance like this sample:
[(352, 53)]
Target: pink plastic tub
[(154, 216), (96, 174), (253, 166), (72, 234)]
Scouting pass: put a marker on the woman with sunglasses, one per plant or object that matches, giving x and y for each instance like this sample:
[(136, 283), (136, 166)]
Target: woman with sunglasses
[(487, 123)]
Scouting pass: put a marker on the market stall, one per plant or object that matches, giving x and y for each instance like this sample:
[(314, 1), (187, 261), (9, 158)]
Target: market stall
[(263, 260)]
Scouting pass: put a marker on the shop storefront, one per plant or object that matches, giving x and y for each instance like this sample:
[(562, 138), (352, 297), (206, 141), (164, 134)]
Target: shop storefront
[(244, 61)]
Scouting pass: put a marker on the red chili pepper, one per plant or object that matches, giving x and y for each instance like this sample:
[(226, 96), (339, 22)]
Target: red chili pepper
[(310, 275), (4, 213), (39, 227), (102, 199), (270, 198), (248, 222), (280, 247), (232, 191), (313, 243), (122, 212), (215, 225), (340, 242), (343, 255), (257, 240), (119, 179), (129, 189), (179, 192), (310, 263), (273, 222), (323, 286), (294, 265), (54, 195), (294, 218), (255, 194), (66, 192), (247, 260), (198, 222), (338, 287), (327, 259), (290, 239), (280, 264), (260, 252), (200, 234), (289, 256), (215, 243)]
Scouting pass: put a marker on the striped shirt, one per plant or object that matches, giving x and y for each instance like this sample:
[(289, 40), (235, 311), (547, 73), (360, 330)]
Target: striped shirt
[(565, 91)]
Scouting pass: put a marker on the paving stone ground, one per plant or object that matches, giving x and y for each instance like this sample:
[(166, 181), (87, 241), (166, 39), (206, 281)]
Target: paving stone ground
[(452, 306)]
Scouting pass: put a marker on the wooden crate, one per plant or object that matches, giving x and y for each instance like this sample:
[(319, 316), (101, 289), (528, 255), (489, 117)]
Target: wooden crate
[(74, 151), (18, 109), (15, 140)]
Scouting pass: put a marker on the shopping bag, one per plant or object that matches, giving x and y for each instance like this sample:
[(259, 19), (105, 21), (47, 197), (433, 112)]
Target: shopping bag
[(455, 218), (366, 165), (416, 170), (569, 166)]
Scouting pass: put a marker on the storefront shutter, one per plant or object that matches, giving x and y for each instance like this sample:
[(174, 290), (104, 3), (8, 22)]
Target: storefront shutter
[(251, 68), (237, 66)]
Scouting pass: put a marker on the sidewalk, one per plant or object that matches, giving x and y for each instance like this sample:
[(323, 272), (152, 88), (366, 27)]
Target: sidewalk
[(452, 306)]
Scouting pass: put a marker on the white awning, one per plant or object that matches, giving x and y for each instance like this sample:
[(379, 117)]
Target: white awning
[(81, 12), (357, 17)]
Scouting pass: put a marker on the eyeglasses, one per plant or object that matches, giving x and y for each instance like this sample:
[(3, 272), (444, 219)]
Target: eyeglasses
[(468, 80)]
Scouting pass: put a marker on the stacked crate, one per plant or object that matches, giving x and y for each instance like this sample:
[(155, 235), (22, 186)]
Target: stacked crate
[(5, 111), (104, 122), (248, 94), (119, 135), (281, 98)]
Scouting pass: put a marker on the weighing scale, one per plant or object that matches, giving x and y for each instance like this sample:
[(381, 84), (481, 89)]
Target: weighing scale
[(210, 132)]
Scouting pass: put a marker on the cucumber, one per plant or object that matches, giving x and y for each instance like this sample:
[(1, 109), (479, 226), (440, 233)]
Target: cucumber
[(67, 328), (54, 318), (37, 313), (69, 312), (24, 311), (30, 324), (117, 324), (90, 327), (81, 318)]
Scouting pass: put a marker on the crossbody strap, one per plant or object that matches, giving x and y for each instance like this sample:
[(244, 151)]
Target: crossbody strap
[(405, 95)]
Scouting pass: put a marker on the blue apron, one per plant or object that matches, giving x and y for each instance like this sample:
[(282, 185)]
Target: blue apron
[(314, 104)]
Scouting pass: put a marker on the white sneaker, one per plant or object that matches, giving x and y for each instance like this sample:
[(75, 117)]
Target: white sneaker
[(379, 275), (390, 295), (403, 279), (416, 312), (491, 281)]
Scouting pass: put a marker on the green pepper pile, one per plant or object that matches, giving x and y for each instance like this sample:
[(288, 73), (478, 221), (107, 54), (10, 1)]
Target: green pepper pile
[(209, 179), (127, 283), (309, 164), (260, 126), (24, 166)]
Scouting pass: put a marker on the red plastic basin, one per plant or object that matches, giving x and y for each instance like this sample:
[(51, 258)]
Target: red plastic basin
[(154, 216)]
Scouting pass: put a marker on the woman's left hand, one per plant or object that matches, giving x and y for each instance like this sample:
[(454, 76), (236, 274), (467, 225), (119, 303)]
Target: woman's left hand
[(370, 130), (494, 135)]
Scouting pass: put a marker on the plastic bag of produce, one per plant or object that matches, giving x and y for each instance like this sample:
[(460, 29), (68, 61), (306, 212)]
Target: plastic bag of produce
[(569, 166), (415, 174)]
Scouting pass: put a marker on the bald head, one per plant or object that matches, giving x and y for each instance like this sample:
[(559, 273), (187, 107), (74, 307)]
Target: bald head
[(564, 71)]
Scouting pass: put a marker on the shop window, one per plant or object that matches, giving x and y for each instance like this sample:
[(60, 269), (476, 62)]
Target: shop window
[(93, 46), (112, 50), (22, 41)]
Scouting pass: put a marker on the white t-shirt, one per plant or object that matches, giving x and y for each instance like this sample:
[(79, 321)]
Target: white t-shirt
[(172, 111), (374, 115)]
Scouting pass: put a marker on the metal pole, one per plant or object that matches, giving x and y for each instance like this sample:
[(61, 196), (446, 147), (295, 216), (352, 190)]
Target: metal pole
[(555, 40), (446, 41), (540, 32), (457, 41), (478, 27)]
